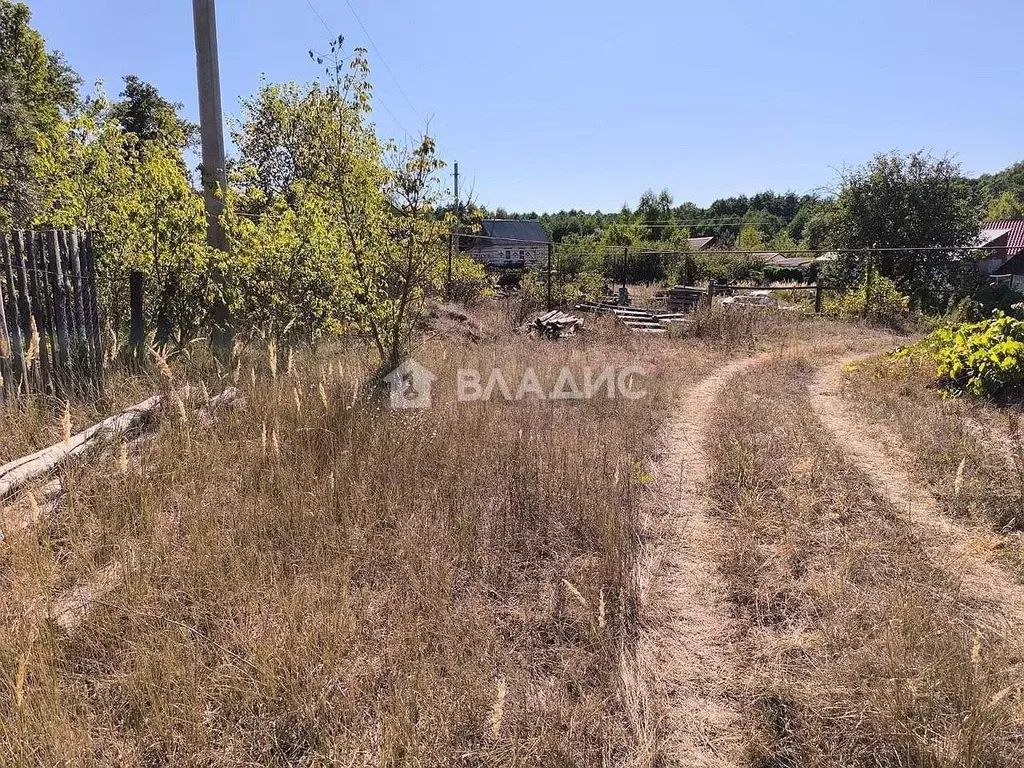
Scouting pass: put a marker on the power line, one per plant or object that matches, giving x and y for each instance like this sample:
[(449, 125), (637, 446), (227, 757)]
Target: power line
[(315, 11), (377, 98), (382, 59)]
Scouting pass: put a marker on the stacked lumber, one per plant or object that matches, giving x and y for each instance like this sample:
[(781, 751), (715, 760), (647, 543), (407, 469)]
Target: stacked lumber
[(684, 298), (556, 325), (639, 320), (605, 306)]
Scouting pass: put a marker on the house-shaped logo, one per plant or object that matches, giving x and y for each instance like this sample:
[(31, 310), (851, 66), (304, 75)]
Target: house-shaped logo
[(410, 385)]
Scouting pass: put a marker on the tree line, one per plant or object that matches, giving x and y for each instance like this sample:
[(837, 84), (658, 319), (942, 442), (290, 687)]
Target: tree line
[(333, 228)]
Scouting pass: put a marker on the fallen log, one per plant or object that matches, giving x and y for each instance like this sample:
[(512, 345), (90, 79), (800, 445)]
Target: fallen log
[(15, 475)]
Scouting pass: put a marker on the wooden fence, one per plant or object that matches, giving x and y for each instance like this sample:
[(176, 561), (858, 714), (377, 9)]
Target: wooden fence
[(50, 339)]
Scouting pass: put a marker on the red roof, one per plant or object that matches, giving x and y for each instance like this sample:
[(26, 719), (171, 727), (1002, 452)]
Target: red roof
[(1015, 227)]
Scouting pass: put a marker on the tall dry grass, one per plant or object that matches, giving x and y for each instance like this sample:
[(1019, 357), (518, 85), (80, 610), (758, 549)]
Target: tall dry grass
[(861, 651), (968, 452), (317, 580)]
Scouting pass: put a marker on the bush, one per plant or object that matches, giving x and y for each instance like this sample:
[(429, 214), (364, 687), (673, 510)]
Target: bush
[(710, 266), (984, 359), (984, 301), (888, 306), (469, 281), (586, 286)]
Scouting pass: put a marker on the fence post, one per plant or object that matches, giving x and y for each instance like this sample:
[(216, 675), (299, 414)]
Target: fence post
[(817, 297), (37, 290), (551, 254), (137, 339), (867, 289), (6, 350)]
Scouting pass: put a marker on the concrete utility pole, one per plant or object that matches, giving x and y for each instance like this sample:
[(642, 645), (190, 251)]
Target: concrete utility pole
[(211, 125), (211, 118)]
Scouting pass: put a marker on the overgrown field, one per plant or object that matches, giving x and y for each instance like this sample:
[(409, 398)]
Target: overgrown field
[(314, 579), (317, 579)]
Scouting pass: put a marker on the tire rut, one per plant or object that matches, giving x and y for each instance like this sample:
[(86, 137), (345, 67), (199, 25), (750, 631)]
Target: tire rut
[(881, 455), (690, 642)]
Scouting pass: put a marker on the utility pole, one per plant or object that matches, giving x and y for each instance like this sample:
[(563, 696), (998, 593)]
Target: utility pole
[(211, 125), (458, 230)]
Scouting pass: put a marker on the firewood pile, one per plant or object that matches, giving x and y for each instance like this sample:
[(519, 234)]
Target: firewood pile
[(555, 325)]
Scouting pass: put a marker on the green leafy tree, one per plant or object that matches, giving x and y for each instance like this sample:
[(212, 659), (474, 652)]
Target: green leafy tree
[(331, 227), (897, 202), (750, 239), (37, 89), (136, 196), (1006, 206), (142, 111)]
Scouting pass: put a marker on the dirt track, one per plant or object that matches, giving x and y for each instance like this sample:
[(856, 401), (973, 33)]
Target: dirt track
[(880, 455), (690, 635)]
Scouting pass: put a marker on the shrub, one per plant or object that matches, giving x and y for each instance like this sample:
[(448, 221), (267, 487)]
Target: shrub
[(710, 266), (984, 301), (587, 285), (888, 306), (469, 281), (984, 359)]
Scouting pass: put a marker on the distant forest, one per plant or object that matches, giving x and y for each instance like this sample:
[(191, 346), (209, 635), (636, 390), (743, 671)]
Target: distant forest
[(765, 220)]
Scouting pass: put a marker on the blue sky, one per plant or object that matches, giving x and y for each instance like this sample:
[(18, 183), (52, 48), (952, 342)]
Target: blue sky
[(558, 104)]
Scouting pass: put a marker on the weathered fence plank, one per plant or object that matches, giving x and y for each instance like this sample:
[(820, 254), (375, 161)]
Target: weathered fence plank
[(14, 327), (60, 304), (36, 288), (50, 325), (46, 262), (31, 344), (6, 349), (93, 307)]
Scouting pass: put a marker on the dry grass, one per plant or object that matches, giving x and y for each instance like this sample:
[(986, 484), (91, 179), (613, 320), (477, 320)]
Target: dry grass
[(32, 423), (969, 453), (861, 652), (319, 580)]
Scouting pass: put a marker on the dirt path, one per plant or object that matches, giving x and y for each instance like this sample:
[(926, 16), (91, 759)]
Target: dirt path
[(881, 456), (690, 636)]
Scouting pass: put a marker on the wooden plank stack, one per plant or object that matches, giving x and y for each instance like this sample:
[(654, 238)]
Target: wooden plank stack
[(556, 325), (50, 340), (684, 298)]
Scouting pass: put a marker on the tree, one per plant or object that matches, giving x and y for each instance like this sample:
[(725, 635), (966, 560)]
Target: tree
[(1006, 206), (136, 195), (654, 211), (37, 88), (332, 228), (145, 113), (903, 203), (750, 239)]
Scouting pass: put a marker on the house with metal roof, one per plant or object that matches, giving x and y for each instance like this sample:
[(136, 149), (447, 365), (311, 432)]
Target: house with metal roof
[(699, 243), (1003, 242), (509, 243)]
